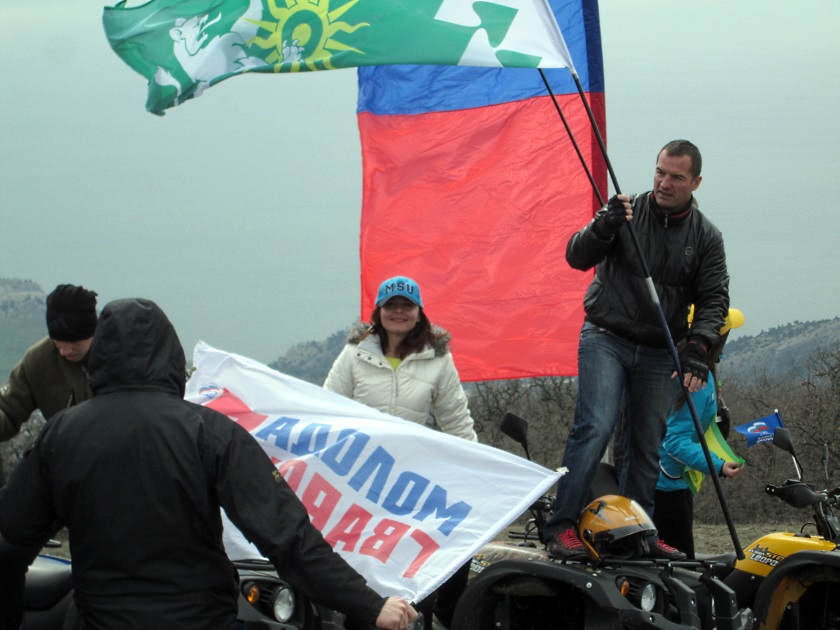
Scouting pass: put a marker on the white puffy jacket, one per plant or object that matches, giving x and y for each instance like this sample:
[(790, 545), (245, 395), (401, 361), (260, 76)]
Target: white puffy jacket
[(424, 382)]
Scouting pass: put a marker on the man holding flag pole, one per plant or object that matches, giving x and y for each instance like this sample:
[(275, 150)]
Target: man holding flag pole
[(624, 364)]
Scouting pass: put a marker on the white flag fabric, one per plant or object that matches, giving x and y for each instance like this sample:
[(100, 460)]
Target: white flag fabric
[(532, 32), (403, 504)]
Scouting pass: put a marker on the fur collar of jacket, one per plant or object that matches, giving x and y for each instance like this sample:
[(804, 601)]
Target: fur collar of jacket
[(442, 337)]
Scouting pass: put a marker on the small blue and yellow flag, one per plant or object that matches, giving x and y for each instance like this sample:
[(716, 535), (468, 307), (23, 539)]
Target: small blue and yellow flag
[(719, 447)]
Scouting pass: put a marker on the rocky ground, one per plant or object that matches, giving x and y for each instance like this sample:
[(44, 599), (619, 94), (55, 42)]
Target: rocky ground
[(715, 538)]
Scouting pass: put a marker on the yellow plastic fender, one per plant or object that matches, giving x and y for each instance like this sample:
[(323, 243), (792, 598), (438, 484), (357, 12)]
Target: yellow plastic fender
[(762, 556)]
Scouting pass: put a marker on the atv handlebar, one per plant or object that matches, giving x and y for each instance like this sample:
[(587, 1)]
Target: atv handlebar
[(797, 494)]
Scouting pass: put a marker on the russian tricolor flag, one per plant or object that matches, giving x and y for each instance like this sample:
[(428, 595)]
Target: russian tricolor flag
[(472, 187)]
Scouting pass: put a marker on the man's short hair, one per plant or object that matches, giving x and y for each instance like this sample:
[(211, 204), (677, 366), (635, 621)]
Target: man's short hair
[(678, 148), (71, 313)]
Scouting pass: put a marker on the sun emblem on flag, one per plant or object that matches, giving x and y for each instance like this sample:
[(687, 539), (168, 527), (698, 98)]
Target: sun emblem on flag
[(304, 32)]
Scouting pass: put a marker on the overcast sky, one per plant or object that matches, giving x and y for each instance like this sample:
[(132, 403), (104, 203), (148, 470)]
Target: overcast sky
[(238, 212)]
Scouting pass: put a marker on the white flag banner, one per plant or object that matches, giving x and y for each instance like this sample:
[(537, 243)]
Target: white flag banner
[(403, 504)]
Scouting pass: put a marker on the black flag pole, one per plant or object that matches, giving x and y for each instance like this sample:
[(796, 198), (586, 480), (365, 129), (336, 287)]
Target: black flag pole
[(572, 138), (739, 552)]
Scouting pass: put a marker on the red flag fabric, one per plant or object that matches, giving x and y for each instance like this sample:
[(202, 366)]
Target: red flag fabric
[(472, 187)]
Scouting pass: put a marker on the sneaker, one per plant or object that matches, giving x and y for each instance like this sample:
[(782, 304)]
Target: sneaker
[(565, 544), (660, 550)]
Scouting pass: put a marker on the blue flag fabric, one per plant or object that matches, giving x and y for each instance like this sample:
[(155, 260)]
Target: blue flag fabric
[(760, 430)]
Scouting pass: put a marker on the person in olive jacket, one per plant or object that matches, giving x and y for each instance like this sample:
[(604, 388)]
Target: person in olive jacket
[(51, 376), (139, 475)]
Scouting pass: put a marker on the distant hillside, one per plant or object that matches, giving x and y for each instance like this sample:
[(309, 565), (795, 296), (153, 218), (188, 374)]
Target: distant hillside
[(779, 351), (773, 353), (22, 320), (311, 361)]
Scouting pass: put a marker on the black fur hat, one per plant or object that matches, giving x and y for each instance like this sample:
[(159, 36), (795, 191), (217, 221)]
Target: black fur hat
[(71, 313)]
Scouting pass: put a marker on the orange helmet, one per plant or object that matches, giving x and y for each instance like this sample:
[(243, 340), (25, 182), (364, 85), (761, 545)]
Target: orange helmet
[(614, 527)]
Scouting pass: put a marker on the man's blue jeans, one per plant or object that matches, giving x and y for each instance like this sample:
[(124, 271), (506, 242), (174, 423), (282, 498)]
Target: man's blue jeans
[(615, 376)]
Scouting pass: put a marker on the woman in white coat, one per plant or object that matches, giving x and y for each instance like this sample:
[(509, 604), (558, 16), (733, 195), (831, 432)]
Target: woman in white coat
[(401, 364)]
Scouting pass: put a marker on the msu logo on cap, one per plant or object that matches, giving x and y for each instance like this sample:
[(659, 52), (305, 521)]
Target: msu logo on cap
[(399, 285)]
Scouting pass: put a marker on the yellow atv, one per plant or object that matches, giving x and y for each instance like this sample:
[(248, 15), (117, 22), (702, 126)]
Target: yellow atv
[(791, 581)]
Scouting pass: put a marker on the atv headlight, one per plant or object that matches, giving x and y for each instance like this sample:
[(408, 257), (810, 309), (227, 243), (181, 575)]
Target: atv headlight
[(283, 604), (641, 593), (647, 598)]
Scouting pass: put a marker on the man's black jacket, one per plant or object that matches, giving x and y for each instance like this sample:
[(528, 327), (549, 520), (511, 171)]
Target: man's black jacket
[(138, 475), (687, 263)]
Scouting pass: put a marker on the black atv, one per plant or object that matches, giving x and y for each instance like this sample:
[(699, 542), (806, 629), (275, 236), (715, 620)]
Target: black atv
[(517, 586)]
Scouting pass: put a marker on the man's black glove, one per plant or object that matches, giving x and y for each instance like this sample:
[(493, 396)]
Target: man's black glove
[(693, 359), (615, 216)]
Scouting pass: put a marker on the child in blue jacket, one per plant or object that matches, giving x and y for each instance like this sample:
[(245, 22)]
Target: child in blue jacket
[(680, 450)]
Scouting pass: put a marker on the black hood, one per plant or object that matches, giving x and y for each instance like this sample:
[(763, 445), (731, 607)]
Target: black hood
[(136, 347)]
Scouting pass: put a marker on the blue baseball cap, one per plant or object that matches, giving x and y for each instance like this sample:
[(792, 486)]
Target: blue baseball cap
[(399, 285)]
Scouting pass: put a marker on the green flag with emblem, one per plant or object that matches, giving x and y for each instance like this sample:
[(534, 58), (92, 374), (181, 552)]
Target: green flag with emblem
[(184, 46)]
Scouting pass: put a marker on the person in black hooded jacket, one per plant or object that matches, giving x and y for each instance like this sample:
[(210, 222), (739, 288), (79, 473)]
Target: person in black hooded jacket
[(138, 475)]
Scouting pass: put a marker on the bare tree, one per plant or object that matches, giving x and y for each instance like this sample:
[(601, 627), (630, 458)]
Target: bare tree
[(809, 405), (546, 403)]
